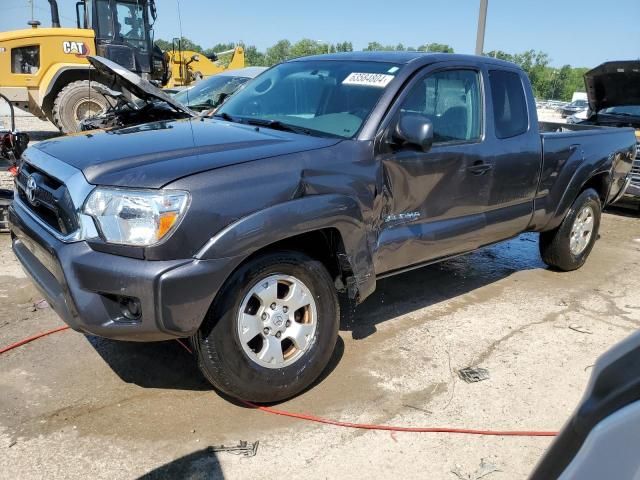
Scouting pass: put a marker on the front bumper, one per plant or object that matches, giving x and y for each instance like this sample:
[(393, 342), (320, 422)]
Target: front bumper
[(84, 287)]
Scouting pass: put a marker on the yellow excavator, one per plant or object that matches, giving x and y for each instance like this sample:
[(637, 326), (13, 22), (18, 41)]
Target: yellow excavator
[(187, 66), (45, 70)]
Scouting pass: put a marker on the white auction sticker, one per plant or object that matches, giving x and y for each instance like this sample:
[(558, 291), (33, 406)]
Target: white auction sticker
[(370, 79)]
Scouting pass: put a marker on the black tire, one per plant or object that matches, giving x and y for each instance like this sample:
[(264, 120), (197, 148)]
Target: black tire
[(72, 100), (555, 244), (217, 344)]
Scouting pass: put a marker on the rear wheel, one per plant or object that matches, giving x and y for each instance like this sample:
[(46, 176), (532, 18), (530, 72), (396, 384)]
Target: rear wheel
[(568, 246), (76, 102), (272, 330)]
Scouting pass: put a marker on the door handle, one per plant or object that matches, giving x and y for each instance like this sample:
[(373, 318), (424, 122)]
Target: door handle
[(479, 167)]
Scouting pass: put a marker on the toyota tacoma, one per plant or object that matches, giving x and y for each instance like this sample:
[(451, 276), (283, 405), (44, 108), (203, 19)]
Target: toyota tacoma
[(245, 230)]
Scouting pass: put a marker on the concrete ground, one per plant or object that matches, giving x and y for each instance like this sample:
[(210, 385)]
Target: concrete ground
[(74, 406)]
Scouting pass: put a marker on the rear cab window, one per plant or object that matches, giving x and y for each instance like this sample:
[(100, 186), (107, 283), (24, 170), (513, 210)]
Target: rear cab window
[(510, 113)]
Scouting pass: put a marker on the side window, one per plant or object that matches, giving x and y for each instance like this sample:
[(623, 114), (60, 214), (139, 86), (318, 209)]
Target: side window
[(509, 104), (25, 60), (130, 22), (105, 21), (451, 100)]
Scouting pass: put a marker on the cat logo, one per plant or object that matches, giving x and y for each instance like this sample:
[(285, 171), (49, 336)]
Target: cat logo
[(77, 48)]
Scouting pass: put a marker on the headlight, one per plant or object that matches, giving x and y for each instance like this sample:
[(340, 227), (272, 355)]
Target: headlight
[(135, 217)]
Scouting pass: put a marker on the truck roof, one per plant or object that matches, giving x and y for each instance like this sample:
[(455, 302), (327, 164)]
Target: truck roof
[(407, 57)]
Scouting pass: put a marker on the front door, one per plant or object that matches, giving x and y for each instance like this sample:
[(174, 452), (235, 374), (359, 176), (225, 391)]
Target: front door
[(435, 201)]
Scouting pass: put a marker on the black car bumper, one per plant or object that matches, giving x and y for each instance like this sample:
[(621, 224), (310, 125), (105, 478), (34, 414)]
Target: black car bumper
[(92, 291)]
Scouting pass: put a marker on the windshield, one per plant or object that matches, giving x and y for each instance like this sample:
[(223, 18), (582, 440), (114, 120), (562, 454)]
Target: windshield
[(211, 92), (625, 110), (323, 96), (129, 25), (126, 26)]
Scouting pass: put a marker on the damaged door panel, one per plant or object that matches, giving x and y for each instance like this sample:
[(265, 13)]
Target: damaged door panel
[(436, 199)]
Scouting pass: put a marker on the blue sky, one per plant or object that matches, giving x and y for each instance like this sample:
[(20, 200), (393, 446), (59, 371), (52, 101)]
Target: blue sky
[(577, 32)]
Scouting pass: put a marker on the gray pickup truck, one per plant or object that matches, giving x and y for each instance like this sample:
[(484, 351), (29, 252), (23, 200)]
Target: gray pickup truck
[(243, 230)]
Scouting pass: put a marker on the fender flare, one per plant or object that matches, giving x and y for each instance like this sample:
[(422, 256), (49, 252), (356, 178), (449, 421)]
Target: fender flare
[(576, 185), (312, 213), (54, 72)]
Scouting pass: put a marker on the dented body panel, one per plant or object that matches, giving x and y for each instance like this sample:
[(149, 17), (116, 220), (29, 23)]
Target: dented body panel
[(394, 208)]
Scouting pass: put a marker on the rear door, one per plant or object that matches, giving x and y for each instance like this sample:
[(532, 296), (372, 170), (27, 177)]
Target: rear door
[(514, 139), (434, 202)]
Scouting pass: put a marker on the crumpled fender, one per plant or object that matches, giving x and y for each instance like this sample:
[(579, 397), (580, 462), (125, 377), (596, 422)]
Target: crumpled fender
[(302, 215)]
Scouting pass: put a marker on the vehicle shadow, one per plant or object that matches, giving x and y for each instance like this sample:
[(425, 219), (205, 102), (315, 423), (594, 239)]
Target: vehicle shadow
[(168, 365), (199, 464), (151, 365), (432, 284)]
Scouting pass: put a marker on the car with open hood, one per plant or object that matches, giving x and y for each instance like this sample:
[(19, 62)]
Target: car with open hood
[(133, 100), (613, 90)]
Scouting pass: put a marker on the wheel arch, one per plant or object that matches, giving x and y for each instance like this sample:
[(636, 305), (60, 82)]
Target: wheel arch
[(329, 228), (60, 77), (599, 181)]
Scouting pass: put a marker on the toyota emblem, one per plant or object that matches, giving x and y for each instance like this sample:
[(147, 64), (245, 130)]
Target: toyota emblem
[(30, 191)]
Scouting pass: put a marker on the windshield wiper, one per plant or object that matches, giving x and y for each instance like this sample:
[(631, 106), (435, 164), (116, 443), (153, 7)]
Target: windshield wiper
[(227, 117), (277, 125)]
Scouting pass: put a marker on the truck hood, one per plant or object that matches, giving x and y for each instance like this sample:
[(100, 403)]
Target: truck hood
[(154, 154), (613, 84), (130, 83)]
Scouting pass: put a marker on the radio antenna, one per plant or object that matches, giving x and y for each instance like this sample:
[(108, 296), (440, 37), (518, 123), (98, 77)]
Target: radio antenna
[(183, 69)]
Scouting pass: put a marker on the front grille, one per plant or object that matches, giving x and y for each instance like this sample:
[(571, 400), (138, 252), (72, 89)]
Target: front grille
[(50, 200), (635, 169)]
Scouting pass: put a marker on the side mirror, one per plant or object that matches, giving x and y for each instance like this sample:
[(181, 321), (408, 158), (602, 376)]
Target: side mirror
[(414, 130)]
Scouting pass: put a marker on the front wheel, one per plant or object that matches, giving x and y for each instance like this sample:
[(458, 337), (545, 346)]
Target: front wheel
[(272, 329), (568, 246)]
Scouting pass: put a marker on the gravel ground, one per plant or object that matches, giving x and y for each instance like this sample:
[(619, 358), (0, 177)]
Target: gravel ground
[(75, 406)]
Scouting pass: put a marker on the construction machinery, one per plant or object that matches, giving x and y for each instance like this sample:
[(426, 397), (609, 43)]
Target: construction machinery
[(45, 70), (188, 66)]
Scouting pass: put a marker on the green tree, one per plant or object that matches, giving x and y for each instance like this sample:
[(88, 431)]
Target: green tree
[(278, 53), (436, 47), (574, 83), (499, 54), (253, 57), (378, 47), (307, 47), (219, 47), (344, 47), (547, 82), (163, 45), (185, 44)]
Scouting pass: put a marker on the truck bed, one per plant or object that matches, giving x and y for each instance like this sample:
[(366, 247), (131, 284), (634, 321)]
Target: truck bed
[(572, 153)]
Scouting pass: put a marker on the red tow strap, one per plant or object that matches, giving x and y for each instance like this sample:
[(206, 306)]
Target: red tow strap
[(326, 421)]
